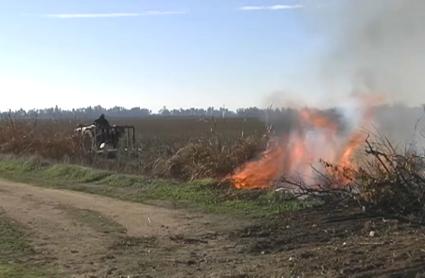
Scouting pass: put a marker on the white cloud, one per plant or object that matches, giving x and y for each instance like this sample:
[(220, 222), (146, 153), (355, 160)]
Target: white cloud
[(113, 15), (163, 12), (271, 8), (252, 8), (285, 7)]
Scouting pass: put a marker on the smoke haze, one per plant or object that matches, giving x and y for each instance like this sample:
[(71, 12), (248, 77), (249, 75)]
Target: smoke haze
[(373, 47)]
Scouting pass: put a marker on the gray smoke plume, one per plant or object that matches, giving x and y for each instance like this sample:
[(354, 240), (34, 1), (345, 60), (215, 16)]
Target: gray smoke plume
[(378, 46)]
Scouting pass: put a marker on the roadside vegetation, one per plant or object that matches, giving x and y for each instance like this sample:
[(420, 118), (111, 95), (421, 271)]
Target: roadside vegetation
[(16, 253), (205, 194)]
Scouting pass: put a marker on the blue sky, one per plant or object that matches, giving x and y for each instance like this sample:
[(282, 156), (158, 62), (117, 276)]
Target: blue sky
[(188, 53)]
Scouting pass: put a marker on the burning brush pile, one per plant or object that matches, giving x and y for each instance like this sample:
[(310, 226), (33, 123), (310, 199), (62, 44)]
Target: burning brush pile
[(319, 142), (328, 154)]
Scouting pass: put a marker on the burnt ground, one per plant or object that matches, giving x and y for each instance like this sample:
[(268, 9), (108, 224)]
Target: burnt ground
[(339, 242), (85, 235)]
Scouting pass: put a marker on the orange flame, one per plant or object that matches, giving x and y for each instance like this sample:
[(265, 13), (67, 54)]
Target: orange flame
[(260, 174), (317, 137)]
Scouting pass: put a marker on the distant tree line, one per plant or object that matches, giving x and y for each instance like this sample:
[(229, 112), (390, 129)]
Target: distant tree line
[(280, 118), (92, 112)]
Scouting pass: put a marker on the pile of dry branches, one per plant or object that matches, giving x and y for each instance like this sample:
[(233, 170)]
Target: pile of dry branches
[(392, 181), (387, 181)]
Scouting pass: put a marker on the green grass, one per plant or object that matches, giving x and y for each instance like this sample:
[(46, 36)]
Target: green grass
[(16, 252), (201, 194), (22, 271)]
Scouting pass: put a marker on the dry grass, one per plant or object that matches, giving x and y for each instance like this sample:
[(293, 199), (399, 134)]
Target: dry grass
[(207, 157), (48, 139)]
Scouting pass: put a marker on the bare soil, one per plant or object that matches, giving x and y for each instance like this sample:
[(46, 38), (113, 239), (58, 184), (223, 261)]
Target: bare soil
[(84, 235)]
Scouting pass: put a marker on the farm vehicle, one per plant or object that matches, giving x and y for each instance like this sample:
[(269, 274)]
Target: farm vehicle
[(102, 138)]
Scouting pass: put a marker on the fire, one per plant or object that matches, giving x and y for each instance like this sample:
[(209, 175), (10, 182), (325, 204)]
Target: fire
[(318, 137), (345, 160), (260, 174)]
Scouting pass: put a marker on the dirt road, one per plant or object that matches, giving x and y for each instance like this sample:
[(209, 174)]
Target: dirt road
[(84, 235)]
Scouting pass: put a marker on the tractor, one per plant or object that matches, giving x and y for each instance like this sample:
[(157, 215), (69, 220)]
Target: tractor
[(102, 138)]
